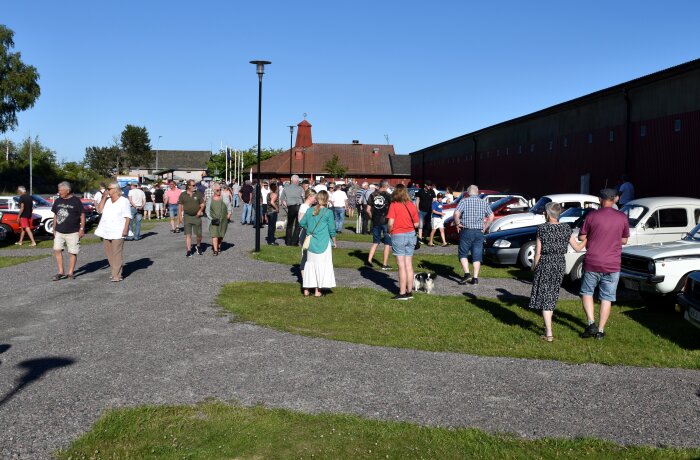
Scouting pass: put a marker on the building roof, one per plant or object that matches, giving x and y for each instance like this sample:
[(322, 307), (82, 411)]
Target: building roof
[(359, 159), (180, 160)]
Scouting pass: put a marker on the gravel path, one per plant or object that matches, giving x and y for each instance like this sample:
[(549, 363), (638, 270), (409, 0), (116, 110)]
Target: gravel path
[(71, 349)]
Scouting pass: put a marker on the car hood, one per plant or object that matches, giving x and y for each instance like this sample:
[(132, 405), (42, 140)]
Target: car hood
[(511, 232), (516, 220), (661, 250)]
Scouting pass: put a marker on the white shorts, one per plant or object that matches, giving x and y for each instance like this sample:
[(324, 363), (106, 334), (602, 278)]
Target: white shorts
[(437, 223), (70, 241), (159, 206)]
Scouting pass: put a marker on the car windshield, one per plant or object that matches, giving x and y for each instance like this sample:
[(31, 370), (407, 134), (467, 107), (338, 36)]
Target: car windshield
[(498, 203), (579, 222), (694, 234), (572, 212), (40, 201), (538, 208), (634, 213)]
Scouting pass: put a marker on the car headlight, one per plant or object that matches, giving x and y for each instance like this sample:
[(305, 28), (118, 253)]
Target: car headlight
[(500, 243), (652, 267)]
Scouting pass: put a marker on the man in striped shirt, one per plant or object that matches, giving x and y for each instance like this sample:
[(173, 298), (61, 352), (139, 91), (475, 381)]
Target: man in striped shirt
[(473, 216)]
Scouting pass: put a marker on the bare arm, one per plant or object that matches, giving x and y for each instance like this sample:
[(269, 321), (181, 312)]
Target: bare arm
[(538, 254), (578, 246), (390, 225)]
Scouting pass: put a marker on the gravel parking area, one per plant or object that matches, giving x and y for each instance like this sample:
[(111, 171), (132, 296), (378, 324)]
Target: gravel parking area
[(71, 349)]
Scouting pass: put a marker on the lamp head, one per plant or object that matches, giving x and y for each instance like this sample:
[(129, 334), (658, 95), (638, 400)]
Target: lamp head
[(260, 66)]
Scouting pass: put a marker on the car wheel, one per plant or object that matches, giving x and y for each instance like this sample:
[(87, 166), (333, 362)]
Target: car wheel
[(577, 270), (9, 234), (48, 226), (527, 255)]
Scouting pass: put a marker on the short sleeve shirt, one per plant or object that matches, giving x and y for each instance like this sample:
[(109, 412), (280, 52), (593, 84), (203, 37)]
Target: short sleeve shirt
[(426, 199), (158, 195), (28, 205), (473, 211), (67, 212), (114, 215), (437, 207), (404, 215), (191, 204), (172, 196), (380, 202), (339, 198), (604, 229)]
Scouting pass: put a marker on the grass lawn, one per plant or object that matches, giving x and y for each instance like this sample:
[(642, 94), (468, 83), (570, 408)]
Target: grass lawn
[(8, 261), (214, 430), (44, 242), (636, 335), (443, 265)]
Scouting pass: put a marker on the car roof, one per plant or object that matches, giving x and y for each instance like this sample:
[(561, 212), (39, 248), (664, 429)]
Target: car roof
[(571, 196), (664, 201)]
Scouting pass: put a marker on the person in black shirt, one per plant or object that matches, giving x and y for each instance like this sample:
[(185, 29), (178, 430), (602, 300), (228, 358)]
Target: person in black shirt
[(68, 228), (377, 209), (158, 198), (424, 203), (26, 205)]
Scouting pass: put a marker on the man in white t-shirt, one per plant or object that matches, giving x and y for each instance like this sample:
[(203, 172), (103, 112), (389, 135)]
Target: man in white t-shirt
[(321, 185), (339, 201), (137, 199)]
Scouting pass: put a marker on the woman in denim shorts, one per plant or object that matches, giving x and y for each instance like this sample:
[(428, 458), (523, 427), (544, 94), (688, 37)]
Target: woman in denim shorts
[(402, 224)]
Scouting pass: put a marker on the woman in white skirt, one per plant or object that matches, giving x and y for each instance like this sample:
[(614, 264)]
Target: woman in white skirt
[(319, 224)]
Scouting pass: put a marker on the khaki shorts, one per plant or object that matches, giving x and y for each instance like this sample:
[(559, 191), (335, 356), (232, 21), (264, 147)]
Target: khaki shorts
[(193, 224), (69, 241)]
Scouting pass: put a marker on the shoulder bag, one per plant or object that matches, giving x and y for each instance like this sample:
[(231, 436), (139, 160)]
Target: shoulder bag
[(307, 240)]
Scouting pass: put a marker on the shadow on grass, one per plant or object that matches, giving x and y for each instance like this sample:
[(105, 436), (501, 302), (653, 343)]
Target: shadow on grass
[(362, 255), (562, 318), (666, 323), (505, 315), (34, 369), (442, 270)]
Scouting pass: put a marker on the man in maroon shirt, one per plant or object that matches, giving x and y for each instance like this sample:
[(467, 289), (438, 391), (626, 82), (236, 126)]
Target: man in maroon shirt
[(604, 232)]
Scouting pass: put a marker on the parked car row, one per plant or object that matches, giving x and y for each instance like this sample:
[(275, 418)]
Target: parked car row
[(42, 208)]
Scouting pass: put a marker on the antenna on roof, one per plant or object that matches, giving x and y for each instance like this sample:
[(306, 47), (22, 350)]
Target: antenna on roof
[(304, 115), (386, 136)]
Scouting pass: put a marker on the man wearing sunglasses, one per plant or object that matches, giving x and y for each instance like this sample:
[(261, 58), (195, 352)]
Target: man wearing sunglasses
[(191, 208)]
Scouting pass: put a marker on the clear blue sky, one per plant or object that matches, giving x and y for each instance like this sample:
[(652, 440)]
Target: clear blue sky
[(421, 72)]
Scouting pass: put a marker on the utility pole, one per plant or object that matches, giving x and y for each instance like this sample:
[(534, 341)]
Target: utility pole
[(31, 165)]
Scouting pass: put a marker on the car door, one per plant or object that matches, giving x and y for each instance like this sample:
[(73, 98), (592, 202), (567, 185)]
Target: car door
[(665, 224)]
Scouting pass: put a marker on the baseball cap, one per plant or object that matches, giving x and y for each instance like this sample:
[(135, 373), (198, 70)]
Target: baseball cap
[(608, 193), (428, 182)]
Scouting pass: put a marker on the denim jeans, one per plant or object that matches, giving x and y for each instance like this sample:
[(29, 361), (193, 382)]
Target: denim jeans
[(235, 200), (471, 240), (339, 218), (247, 215), (271, 226), (136, 223)]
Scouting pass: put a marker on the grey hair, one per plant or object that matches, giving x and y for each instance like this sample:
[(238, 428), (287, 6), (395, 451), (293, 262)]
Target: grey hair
[(295, 179), (384, 184), (553, 210), (473, 190), (115, 185), (21, 189), (65, 184)]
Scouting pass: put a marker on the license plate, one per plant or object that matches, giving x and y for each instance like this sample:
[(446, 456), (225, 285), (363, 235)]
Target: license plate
[(633, 285), (694, 314)]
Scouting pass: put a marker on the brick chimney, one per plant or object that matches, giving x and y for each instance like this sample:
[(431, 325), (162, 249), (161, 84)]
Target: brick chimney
[(303, 135)]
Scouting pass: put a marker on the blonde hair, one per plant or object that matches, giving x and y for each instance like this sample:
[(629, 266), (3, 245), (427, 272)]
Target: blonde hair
[(321, 201), (400, 194), (309, 192)]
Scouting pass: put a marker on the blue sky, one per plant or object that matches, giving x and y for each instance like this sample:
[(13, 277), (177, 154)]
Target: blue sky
[(419, 72)]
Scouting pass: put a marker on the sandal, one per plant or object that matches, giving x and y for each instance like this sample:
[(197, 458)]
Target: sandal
[(69, 277), (116, 280), (57, 277), (431, 244), (443, 245), (18, 244), (547, 338)]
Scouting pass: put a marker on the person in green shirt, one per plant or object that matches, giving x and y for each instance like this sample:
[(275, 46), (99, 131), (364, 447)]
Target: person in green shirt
[(319, 224), (191, 209)]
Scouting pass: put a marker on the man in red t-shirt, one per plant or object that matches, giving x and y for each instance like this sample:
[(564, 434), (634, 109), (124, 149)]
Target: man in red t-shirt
[(604, 232)]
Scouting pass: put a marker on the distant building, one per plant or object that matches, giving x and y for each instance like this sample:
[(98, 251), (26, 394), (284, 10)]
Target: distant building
[(175, 164), (364, 162)]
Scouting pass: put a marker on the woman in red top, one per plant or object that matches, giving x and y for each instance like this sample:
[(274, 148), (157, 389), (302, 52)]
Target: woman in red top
[(402, 224)]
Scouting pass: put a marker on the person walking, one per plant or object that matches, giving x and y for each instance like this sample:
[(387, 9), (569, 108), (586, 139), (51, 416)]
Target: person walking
[(424, 203), (24, 217), (291, 198), (68, 229), (114, 227), (320, 226), (172, 198), (553, 240), (98, 194), (437, 222), (309, 201), (138, 200), (191, 208), (377, 210), (473, 216), (235, 190), (273, 207), (604, 232), (148, 207), (246, 195), (158, 195), (339, 200), (402, 224), (219, 210)]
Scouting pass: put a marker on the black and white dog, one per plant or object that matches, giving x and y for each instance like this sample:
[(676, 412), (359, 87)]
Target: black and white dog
[(423, 281)]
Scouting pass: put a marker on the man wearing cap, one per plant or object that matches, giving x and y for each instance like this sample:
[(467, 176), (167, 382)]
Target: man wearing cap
[(604, 232)]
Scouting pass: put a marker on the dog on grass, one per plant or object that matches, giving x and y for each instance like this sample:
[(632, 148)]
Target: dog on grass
[(423, 281)]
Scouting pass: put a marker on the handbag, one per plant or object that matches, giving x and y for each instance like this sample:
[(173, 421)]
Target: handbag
[(216, 222), (307, 240), (417, 246)]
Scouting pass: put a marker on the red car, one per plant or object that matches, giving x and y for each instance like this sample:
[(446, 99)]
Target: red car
[(500, 208), (10, 223)]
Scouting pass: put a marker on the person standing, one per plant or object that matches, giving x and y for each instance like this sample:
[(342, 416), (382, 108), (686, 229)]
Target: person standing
[(68, 229), (246, 195), (24, 217), (473, 216), (625, 191), (377, 210), (158, 195), (424, 203), (191, 208), (553, 240), (148, 207), (172, 198), (273, 207), (291, 198), (402, 224), (340, 202), (361, 204), (218, 209), (114, 227), (318, 270), (235, 190), (138, 200), (604, 232), (264, 191), (98, 194), (437, 222)]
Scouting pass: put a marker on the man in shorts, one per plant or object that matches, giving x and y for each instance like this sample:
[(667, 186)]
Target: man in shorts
[(604, 231), (68, 229), (473, 216), (158, 199), (191, 209), (377, 210), (26, 206), (172, 197)]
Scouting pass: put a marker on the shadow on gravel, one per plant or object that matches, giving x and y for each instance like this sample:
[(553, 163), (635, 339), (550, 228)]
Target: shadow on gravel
[(442, 270), (91, 267), (224, 246), (143, 236), (35, 369), (379, 278), (3, 348), (136, 265)]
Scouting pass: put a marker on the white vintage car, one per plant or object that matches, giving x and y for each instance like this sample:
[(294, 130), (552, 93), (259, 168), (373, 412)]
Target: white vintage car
[(652, 220), (535, 214), (661, 268)]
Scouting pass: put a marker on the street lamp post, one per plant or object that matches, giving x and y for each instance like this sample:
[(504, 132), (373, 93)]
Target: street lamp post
[(260, 70), (291, 133), (157, 151)]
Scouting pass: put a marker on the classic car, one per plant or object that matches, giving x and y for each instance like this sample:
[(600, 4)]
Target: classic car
[(689, 298), (41, 207), (502, 207), (651, 220), (661, 268), (9, 222), (535, 215)]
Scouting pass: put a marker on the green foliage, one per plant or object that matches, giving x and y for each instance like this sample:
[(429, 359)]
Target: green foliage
[(250, 159), (103, 160), (81, 177), (19, 89), (335, 168), (136, 146), (15, 172)]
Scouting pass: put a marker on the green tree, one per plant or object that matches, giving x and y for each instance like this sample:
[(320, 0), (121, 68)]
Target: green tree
[(19, 89), (81, 177), (335, 168), (46, 171), (136, 146), (103, 160)]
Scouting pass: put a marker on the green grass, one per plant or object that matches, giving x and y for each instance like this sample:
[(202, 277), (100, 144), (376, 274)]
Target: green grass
[(636, 335), (8, 261), (44, 242), (443, 265), (214, 430)]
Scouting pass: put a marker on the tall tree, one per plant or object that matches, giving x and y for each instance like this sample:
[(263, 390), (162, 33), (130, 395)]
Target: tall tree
[(103, 160), (136, 146), (19, 89), (335, 168)]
